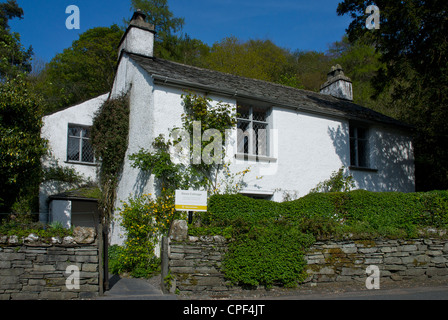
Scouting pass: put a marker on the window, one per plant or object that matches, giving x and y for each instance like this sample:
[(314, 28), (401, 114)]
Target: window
[(79, 148), (252, 131), (359, 146)]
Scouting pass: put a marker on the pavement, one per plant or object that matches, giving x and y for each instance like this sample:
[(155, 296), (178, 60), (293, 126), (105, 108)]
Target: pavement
[(123, 288), (134, 289)]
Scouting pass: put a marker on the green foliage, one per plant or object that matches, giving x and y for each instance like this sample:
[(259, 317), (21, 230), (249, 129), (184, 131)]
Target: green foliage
[(22, 225), (21, 146), (338, 182), (144, 220), (337, 214), (82, 71), (219, 117), (268, 239), (159, 14), (269, 253), (413, 74), (14, 58), (110, 132), (168, 174), (223, 209), (59, 173), (258, 59)]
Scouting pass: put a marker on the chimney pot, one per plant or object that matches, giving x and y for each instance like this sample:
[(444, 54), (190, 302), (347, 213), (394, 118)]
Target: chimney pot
[(338, 84), (139, 36)]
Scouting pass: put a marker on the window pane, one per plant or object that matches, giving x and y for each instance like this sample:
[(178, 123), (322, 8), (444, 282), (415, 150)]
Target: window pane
[(74, 131), (259, 115), (87, 151), (363, 154), (86, 132), (243, 112), (260, 138), (353, 160), (243, 136), (73, 149)]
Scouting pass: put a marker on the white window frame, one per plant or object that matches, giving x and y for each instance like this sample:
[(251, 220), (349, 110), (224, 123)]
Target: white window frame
[(252, 147), (82, 140)]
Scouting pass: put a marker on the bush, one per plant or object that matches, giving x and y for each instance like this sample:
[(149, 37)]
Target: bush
[(269, 239), (145, 220), (223, 209), (267, 254), (337, 214)]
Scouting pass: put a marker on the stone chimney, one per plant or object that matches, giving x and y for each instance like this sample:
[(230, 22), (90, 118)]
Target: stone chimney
[(338, 85), (139, 36)]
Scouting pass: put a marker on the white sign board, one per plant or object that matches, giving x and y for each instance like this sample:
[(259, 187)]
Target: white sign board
[(190, 200)]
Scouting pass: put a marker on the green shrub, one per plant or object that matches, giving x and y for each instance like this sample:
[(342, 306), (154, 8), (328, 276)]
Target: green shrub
[(144, 220), (22, 225), (226, 208), (269, 239), (359, 212), (267, 254)]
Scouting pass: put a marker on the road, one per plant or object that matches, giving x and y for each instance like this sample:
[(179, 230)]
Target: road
[(415, 293), (142, 289)]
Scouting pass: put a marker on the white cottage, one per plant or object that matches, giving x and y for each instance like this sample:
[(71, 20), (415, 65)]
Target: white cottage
[(309, 134)]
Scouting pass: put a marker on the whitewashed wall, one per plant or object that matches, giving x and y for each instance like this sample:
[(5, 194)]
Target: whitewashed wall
[(55, 128)]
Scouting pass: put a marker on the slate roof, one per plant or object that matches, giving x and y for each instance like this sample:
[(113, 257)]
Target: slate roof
[(169, 72)]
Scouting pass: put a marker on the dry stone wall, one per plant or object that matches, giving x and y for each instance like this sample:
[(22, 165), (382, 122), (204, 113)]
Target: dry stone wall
[(32, 269), (396, 259), (195, 262)]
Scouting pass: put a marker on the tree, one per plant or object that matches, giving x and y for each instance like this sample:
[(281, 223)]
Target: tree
[(413, 43), (14, 58), (183, 49), (158, 13), (258, 59), (311, 68), (81, 72), (171, 44), (361, 63), (21, 146)]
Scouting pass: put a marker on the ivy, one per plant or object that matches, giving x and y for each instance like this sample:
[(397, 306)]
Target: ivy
[(267, 254), (110, 132)]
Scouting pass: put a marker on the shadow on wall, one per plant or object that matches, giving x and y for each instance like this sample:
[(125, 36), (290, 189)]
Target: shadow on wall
[(391, 158)]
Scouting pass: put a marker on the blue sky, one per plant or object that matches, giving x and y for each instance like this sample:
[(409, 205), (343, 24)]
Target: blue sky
[(292, 24)]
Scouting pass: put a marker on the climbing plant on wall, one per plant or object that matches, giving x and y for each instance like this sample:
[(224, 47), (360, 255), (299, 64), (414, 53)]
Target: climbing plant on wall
[(200, 116), (110, 141)]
